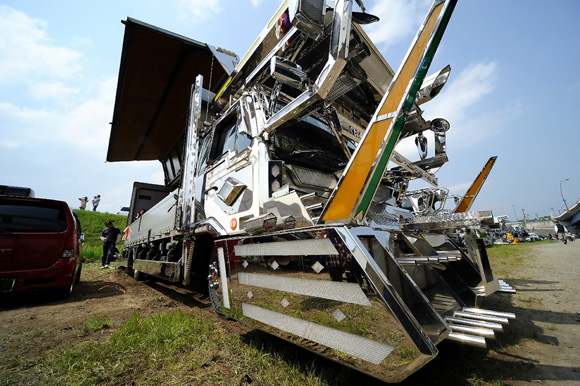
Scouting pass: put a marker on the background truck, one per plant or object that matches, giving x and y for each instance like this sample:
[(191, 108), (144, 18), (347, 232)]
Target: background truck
[(281, 176)]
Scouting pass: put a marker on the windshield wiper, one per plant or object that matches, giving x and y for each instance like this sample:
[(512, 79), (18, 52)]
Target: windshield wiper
[(310, 152)]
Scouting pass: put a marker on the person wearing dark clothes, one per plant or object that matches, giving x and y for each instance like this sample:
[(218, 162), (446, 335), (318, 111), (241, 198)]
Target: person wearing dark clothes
[(96, 202), (561, 230), (110, 236)]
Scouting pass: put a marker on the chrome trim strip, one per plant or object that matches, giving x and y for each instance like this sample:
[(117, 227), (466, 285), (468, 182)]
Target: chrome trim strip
[(342, 292), (313, 247), (224, 278), (469, 339), (357, 346), (507, 315)]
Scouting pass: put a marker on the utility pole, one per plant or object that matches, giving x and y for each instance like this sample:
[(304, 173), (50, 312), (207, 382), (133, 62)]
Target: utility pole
[(563, 199), (524, 213)]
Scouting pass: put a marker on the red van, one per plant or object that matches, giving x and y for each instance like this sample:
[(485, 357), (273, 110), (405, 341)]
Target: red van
[(40, 242)]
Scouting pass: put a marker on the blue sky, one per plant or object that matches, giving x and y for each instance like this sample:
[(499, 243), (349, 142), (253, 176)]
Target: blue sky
[(513, 92)]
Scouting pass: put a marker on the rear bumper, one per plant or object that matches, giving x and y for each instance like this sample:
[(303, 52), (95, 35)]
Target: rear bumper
[(57, 276)]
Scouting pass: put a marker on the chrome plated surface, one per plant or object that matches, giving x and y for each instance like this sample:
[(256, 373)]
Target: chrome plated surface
[(322, 293), (507, 315), (162, 269), (449, 221), (468, 339), (476, 323), (187, 206), (484, 332)]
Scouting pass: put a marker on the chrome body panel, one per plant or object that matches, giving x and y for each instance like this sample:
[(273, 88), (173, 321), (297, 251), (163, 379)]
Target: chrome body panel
[(323, 295), (167, 271), (380, 281), (157, 223)]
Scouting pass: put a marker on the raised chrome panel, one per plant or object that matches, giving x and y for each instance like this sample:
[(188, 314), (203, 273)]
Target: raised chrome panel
[(332, 292), (187, 198), (231, 190), (307, 15), (287, 72), (157, 223), (164, 270)]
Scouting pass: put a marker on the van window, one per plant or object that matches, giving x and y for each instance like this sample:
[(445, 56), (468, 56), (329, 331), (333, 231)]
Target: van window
[(29, 217)]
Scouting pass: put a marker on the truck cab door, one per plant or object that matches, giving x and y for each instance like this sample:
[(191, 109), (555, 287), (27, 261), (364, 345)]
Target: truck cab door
[(187, 198), (229, 175)]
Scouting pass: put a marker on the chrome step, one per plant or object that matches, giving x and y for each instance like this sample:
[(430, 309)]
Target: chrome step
[(507, 315), (315, 206), (468, 339), (485, 318), (478, 331), (427, 259), (506, 288), (307, 196), (475, 323)]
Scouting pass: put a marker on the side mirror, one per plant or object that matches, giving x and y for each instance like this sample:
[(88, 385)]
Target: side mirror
[(439, 126), (432, 85), (307, 15), (288, 73)]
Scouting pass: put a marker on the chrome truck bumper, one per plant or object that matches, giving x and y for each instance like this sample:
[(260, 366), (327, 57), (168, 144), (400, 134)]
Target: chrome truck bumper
[(377, 301)]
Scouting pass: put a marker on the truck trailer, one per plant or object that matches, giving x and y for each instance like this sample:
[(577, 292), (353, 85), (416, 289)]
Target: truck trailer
[(285, 199)]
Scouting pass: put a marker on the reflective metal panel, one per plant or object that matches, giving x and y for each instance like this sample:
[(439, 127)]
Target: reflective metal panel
[(161, 269), (322, 298)]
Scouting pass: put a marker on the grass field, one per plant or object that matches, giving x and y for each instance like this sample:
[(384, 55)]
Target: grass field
[(177, 346), (506, 258), (92, 223)]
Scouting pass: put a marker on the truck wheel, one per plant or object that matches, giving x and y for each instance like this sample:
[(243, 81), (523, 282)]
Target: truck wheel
[(138, 275)]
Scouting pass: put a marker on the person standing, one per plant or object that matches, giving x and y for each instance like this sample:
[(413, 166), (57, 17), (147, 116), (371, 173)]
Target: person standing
[(96, 202), (84, 201), (561, 230), (110, 236)]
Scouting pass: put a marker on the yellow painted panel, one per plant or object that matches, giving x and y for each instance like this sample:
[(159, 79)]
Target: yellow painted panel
[(343, 202), (351, 188), (474, 189)]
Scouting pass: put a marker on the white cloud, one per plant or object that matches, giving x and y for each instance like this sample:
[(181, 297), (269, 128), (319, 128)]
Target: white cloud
[(399, 20), (201, 9), (86, 125), (25, 49), (458, 103), (470, 86), (22, 126), (53, 90), (460, 188)]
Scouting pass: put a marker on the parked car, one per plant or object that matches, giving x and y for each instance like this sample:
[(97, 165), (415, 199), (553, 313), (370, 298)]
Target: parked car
[(40, 245), (124, 210)]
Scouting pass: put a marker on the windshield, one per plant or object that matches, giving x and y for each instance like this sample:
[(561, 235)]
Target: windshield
[(33, 217), (308, 143)]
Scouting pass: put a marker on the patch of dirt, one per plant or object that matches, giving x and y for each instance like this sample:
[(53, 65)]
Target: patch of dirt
[(542, 346)]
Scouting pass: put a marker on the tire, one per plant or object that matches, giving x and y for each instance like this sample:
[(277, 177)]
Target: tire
[(78, 276), (138, 275), (65, 292)]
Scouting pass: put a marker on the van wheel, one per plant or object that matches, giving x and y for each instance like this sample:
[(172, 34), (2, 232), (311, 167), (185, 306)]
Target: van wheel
[(65, 292)]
